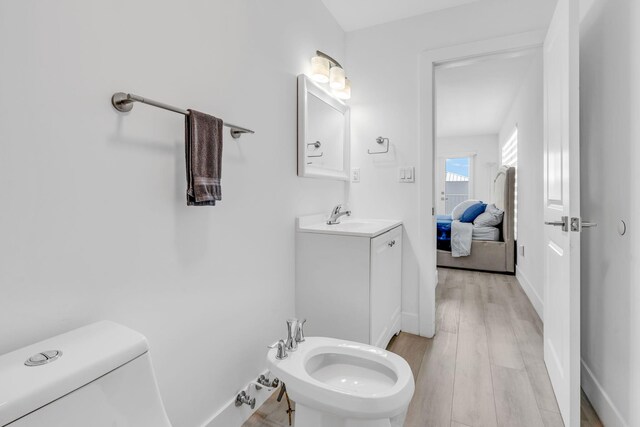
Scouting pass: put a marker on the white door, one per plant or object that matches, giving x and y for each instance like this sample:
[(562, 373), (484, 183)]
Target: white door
[(562, 202)]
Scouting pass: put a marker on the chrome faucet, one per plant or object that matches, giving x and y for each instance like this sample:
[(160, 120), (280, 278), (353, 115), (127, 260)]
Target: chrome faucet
[(292, 330), (300, 331), (295, 335), (336, 213)]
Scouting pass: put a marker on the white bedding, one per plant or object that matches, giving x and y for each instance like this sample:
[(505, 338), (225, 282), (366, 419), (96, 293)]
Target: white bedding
[(461, 236), (486, 233)]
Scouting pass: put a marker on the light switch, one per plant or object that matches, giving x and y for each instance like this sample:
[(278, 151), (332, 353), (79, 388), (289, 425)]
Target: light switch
[(406, 174), (355, 175)]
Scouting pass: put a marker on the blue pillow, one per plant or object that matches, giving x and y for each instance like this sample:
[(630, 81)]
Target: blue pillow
[(473, 212)]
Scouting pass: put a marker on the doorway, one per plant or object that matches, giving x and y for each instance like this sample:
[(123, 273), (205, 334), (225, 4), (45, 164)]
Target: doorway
[(560, 116)]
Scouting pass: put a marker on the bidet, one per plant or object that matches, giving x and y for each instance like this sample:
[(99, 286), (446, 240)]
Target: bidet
[(338, 383)]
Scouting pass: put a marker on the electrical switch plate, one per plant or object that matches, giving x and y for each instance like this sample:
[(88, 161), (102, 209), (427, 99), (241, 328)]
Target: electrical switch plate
[(406, 174), (355, 175)]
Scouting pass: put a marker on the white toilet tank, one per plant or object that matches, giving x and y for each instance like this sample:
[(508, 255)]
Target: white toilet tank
[(101, 376)]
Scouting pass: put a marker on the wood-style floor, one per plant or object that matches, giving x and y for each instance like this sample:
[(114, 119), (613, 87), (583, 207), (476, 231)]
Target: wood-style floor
[(484, 367)]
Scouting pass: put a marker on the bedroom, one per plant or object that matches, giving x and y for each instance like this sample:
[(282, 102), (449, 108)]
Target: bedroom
[(488, 118)]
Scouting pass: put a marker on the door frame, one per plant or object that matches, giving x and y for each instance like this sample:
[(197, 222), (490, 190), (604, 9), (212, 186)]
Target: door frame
[(429, 60)]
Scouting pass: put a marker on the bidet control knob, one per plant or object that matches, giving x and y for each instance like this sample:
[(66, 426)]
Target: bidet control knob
[(282, 349)]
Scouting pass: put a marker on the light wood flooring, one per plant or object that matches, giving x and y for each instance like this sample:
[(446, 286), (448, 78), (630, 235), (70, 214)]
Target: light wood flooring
[(484, 367)]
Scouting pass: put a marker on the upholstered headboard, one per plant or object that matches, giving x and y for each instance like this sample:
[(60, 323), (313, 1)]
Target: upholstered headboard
[(504, 198)]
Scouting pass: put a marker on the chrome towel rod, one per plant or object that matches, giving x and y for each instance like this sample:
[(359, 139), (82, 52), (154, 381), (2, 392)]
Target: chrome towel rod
[(123, 102)]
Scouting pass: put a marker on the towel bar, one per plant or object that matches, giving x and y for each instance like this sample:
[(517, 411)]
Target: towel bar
[(123, 102)]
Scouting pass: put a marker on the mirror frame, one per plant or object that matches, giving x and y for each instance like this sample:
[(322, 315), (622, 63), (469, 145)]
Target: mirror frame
[(307, 86)]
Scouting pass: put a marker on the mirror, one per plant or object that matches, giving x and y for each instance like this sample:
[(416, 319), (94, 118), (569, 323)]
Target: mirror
[(323, 133)]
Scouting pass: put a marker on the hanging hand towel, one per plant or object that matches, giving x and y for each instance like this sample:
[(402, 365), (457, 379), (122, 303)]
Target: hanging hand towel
[(203, 146)]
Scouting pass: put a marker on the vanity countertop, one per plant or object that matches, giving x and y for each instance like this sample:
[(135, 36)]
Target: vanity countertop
[(358, 227)]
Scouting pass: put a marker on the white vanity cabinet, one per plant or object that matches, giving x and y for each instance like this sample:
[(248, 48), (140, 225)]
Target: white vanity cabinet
[(348, 281)]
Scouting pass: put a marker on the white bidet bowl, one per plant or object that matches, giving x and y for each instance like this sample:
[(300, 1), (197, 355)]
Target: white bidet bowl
[(341, 383)]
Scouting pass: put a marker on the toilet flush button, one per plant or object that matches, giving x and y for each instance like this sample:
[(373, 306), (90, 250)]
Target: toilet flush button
[(51, 353), (43, 358), (37, 359)]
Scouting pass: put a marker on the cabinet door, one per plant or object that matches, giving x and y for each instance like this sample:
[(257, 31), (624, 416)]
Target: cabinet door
[(386, 281)]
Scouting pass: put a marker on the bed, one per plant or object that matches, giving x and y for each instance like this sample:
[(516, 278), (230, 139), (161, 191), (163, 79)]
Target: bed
[(492, 248)]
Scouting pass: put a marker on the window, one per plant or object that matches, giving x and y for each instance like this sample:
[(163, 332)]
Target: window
[(510, 158)]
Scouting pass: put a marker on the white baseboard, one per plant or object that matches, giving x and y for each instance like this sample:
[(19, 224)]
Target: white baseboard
[(528, 289), (230, 415), (411, 323), (607, 411)]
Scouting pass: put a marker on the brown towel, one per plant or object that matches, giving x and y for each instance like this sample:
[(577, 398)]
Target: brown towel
[(203, 146)]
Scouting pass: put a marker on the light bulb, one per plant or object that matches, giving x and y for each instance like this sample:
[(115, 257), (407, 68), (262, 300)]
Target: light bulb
[(346, 92), (320, 69), (336, 78)]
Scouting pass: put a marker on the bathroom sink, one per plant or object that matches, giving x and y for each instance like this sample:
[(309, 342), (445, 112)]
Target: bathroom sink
[(347, 226)]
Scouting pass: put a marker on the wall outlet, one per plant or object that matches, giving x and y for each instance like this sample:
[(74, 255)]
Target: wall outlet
[(355, 175), (407, 174), (521, 251)]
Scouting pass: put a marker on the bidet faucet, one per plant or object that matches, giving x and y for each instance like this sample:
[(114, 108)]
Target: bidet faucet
[(300, 331), (336, 213), (292, 331)]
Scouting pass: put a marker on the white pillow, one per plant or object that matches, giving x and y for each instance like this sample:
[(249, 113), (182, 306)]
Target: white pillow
[(457, 212), (491, 217)]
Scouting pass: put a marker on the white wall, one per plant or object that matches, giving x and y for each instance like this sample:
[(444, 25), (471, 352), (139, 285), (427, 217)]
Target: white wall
[(485, 162), (610, 191), (383, 63), (526, 113), (94, 223)]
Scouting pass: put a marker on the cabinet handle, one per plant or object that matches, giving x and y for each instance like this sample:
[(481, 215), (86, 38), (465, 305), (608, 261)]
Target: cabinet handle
[(391, 243)]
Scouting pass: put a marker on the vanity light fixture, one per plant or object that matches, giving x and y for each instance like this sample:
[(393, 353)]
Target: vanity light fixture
[(344, 93), (320, 69), (325, 69), (337, 78)]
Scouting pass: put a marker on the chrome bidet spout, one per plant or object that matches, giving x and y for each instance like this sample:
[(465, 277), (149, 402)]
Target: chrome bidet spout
[(292, 330)]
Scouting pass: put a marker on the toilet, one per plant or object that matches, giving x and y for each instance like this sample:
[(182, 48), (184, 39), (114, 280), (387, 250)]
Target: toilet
[(99, 376), (337, 383)]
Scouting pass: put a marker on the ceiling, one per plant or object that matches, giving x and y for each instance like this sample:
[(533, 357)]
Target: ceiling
[(474, 98), (357, 14)]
